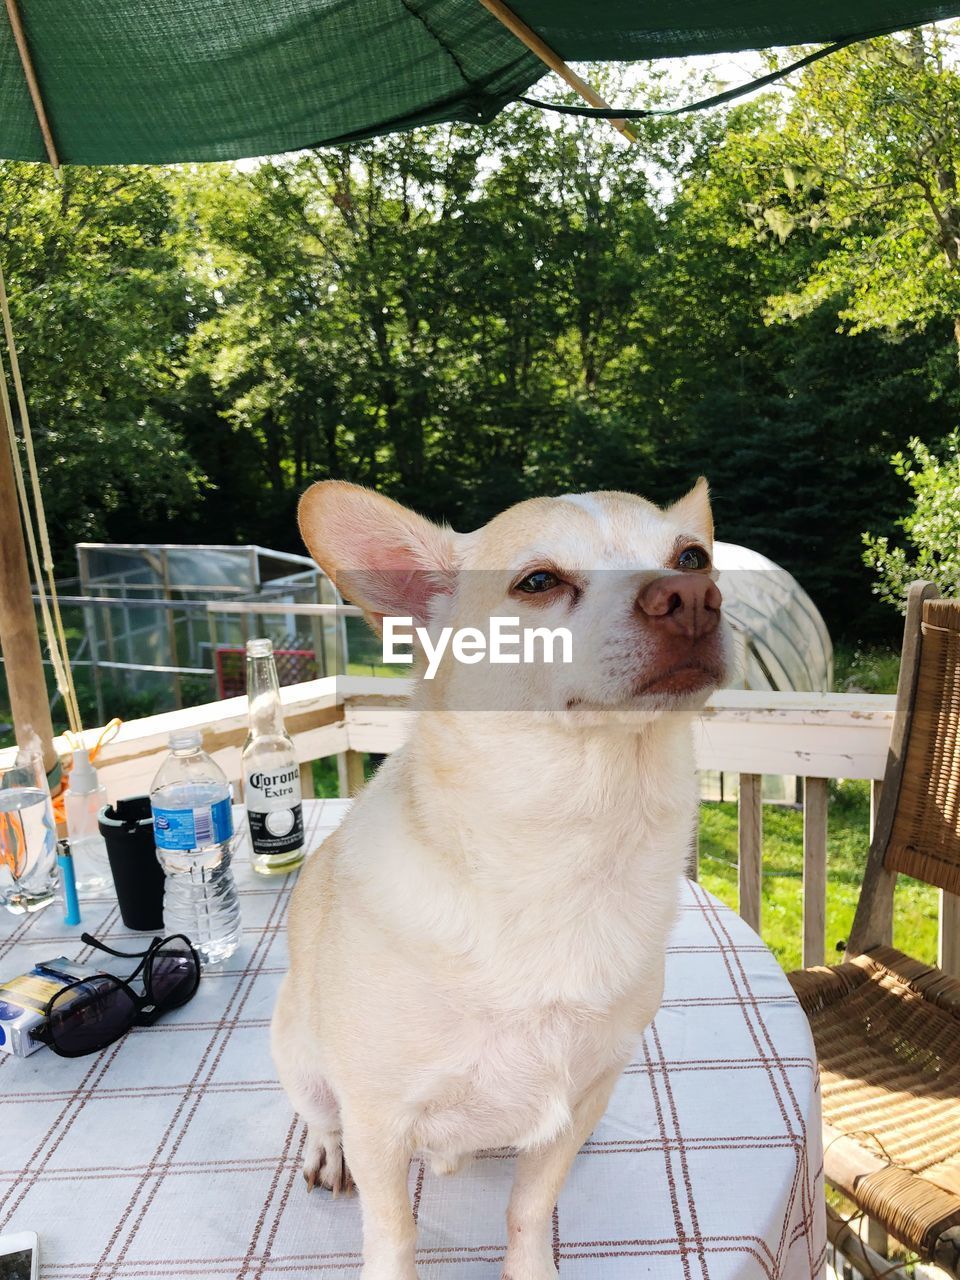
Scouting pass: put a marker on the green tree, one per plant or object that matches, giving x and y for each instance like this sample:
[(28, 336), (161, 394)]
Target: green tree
[(867, 156), (794, 422), (931, 527), (438, 314), (100, 308), (465, 317)]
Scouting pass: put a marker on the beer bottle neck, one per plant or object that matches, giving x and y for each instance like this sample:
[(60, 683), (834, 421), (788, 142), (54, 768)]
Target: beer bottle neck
[(263, 694)]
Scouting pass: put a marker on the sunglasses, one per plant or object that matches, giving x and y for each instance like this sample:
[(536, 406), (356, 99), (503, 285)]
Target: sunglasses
[(93, 1012)]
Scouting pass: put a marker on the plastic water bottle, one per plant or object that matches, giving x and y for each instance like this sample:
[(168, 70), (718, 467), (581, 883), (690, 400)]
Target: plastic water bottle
[(85, 797), (193, 831)]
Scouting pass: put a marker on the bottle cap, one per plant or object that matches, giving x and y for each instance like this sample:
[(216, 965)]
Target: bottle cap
[(260, 648), (83, 776), (180, 739)]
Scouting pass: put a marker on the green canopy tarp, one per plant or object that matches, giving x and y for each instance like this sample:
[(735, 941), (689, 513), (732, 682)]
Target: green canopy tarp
[(126, 81)]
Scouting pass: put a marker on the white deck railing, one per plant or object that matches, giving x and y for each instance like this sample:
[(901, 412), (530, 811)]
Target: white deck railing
[(814, 737)]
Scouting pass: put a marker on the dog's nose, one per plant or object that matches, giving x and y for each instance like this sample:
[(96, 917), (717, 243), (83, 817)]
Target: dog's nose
[(686, 604)]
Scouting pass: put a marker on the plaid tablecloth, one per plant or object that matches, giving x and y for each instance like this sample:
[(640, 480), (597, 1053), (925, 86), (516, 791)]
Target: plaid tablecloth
[(175, 1154)]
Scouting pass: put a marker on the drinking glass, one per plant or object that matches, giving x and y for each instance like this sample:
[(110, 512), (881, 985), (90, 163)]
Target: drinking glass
[(28, 836)]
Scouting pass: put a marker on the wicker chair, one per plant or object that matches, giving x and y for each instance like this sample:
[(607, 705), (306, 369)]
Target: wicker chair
[(887, 1028)]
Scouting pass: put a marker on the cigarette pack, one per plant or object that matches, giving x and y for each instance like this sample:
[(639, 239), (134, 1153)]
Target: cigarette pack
[(23, 1002)]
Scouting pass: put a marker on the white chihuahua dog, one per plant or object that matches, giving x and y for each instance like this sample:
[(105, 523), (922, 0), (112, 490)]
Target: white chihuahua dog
[(477, 950)]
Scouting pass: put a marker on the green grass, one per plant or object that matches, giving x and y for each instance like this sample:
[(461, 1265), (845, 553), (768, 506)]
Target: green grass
[(377, 669), (915, 919), (915, 922), (865, 668)]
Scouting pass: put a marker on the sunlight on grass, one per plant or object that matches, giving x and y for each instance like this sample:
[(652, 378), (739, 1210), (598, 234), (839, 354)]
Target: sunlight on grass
[(377, 669), (915, 919)]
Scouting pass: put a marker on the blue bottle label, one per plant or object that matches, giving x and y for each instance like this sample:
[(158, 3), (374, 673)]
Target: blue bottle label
[(182, 829)]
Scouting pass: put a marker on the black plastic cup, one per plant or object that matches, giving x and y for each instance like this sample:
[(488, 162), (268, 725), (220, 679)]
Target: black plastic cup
[(127, 829)]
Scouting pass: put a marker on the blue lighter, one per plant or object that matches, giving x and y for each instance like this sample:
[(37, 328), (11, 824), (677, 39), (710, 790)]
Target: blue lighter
[(68, 883)]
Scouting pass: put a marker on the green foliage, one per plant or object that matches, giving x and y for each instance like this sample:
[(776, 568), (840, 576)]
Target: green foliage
[(409, 315), (931, 527), (99, 300), (865, 669), (793, 423), (466, 317), (864, 160)]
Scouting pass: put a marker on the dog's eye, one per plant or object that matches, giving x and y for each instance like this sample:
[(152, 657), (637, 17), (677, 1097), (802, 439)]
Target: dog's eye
[(537, 582), (693, 558)]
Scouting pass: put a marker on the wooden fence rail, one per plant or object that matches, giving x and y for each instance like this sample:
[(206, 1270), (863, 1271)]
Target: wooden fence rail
[(814, 737)]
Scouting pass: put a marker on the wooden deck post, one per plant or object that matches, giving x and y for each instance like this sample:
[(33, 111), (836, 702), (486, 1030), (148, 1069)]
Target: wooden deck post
[(814, 871), (350, 772), (307, 788), (750, 862), (948, 949)]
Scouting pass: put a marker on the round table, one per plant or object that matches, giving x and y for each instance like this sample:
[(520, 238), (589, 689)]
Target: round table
[(175, 1154)]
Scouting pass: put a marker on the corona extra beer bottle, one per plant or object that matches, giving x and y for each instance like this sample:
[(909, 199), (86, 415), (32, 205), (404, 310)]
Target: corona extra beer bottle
[(271, 775)]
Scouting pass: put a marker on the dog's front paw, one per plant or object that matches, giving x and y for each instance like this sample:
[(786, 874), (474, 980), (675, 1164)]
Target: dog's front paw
[(323, 1163)]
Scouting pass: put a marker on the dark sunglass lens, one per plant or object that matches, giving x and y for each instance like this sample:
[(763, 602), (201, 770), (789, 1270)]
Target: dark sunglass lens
[(173, 973), (91, 1015)]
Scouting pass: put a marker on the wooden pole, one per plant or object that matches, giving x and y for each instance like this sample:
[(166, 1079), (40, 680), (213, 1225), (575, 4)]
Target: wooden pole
[(30, 76), (550, 59), (19, 638)]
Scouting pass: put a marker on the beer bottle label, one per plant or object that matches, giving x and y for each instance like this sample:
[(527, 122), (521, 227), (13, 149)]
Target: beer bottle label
[(274, 810), (277, 830)]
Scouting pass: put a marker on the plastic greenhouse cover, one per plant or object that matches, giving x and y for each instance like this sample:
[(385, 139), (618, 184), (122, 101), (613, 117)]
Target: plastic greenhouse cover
[(787, 644)]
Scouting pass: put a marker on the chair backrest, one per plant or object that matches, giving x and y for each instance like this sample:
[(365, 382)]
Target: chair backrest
[(917, 828), (924, 828)]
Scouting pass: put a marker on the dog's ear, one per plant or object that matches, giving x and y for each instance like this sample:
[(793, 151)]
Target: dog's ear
[(380, 555), (692, 512)]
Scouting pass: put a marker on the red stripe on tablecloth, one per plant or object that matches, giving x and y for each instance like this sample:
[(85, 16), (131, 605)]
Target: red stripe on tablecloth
[(285, 1196), (262, 1218), (668, 1163), (593, 1146), (746, 1245), (228, 1024), (732, 961), (681, 1151), (66, 1117), (418, 1189)]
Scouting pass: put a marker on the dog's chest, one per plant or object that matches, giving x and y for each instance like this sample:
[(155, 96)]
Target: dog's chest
[(515, 1080), (588, 942), (554, 995)]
